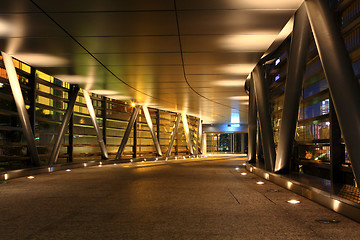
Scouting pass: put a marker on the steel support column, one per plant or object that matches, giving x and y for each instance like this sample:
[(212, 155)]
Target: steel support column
[(295, 73), (152, 131), (337, 151), (21, 108), (174, 134), (103, 116), (127, 132), (343, 84), (93, 118), (134, 147), (69, 111), (187, 133), (259, 145), (200, 136), (32, 98), (252, 122), (70, 148), (263, 106)]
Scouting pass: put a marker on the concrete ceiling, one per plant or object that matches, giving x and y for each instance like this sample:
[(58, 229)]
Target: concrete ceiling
[(187, 55)]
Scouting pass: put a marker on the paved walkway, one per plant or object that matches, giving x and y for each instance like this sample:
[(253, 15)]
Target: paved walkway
[(174, 200)]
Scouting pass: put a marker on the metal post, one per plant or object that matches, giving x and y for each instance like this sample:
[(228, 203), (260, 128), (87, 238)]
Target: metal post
[(259, 145), (337, 151), (343, 84), (70, 148), (262, 100), (127, 132), (252, 122), (152, 131), (103, 116), (174, 134), (158, 125), (242, 143), (187, 133), (93, 118), (69, 111), (134, 147), (200, 136), (20, 105), (32, 98), (293, 87)]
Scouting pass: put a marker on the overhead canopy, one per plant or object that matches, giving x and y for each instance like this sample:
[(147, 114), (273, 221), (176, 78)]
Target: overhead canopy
[(192, 58)]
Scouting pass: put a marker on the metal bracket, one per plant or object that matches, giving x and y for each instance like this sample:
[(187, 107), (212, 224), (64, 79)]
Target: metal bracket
[(151, 127), (127, 132), (20, 105), (69, 111), (94, 122), (173, 134)]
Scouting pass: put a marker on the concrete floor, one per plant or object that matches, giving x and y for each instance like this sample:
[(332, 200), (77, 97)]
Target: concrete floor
[(175, 200)]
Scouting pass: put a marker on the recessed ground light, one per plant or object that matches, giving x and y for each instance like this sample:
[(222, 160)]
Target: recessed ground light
[(68, 170), (237, 169), (260, 183), (131, 160), (243, 173), (244, 164), (327, 221), (115, 164), (99, 165), (156, 159), (293, 201), (30, 177), (6, 176), (85, 165)]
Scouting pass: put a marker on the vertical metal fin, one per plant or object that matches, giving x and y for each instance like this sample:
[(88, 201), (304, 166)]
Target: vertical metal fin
[(262, 100), (187, 133), (96, 126), (173, 134), (293, 87), (69, 111), (252, 122), (21, 108), (127, 132), (151, 128)]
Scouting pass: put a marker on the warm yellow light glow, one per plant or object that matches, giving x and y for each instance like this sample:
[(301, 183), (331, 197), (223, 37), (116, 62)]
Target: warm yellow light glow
[(239, 97), (251, 169), (237, 68), (266, 4), (115, 164), (133, 104), (243, 173), (156, 159), (6, 176), (237, 169), (175, 158), (244, 164), (68, 170), (41, 60), (289, 184), (336, 205), (131, 160), (260, 183), (30, 177), (74, 79), (229, 83), (293, 201), (166, 159), (99, 165), (249, 42), (120, 97), (104, 92), (267, 176), (85, 164)]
